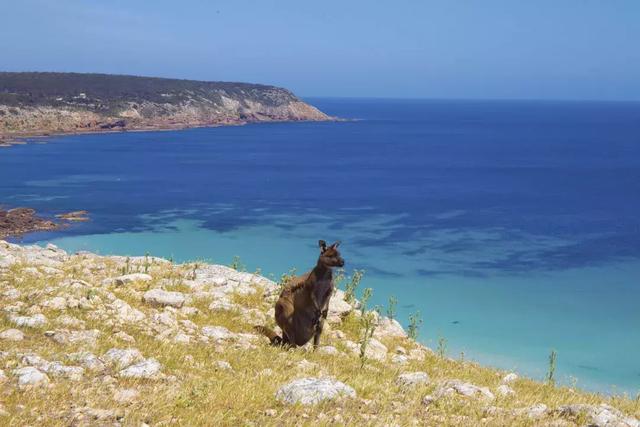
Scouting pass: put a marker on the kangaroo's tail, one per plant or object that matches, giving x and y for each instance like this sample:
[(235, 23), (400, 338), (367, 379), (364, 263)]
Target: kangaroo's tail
[(269, 333)]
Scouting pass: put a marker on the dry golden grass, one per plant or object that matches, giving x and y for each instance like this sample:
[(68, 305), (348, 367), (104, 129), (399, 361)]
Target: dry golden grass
[(198, 392)]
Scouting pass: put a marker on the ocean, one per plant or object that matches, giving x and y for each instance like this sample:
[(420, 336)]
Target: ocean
[(512, 227)]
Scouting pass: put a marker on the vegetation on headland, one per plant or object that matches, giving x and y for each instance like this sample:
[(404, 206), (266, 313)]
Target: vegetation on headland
[(199, 362)]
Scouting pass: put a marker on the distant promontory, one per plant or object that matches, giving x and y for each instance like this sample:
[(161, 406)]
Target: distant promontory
[(34, 104)]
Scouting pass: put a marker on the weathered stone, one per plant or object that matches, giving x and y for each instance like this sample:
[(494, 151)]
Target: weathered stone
[(69, 321), (217, 332), (309, 391), (56, 303), (504, 390), (163, 298), (599, 415), (148, 368), (452, 387), (399, 359), (30, 377), (122, 358), (412, 379), (375, 349), (88, 360), (389, 328), (328, 349), (11, 335), (73, 373), (92, 416), (126, 313), (131, 278), (34, 321), (66, 337)]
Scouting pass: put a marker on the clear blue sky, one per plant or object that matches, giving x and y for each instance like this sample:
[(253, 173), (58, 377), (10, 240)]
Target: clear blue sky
[(552, 49)]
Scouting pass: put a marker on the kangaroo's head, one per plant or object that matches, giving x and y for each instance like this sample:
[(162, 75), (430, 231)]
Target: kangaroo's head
[(329, 255)]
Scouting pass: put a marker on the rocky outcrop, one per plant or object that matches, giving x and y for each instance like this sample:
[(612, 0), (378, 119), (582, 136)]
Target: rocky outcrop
[(44, 103), (309, 391)]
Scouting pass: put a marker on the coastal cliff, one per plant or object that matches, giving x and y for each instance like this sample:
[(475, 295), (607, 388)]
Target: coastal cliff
[(45, 103), (112, 340)]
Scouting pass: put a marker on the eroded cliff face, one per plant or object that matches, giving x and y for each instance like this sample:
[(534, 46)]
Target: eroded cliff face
[(43, 103)]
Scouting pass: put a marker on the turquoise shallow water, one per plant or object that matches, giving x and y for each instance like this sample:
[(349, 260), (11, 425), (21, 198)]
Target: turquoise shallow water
[(512, 227)]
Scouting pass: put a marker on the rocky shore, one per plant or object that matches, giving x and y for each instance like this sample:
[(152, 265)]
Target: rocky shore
[(94, 340), (20, 221)]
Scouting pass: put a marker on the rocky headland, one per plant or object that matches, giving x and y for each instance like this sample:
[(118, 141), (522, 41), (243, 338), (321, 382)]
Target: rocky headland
[(111, 340), (20, 221), (36, 104)]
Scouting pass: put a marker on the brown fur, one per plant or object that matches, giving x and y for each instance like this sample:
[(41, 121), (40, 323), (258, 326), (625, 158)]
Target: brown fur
[(304, 302)]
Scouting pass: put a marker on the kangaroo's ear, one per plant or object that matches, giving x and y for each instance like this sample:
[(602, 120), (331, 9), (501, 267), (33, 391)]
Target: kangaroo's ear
[(323, 245), (336, 244)]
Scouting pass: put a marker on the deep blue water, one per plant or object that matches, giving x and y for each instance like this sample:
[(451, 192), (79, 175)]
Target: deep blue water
[(513, 227)]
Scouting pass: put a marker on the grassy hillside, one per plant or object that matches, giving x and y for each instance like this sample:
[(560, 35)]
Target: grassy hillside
[(195, 359)]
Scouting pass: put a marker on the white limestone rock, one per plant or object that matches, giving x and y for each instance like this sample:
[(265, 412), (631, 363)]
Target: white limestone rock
[(504, 390), (148, 368), (389, 328), (125, 313), (55, 303), (159, 297), (66, 337), (34, 321), (310, 391), (217, 332), (122, 358), (87, 360), (412, 379), (131, 278), (73, 373), (30, 377), (12, 335), (399, 359), (599, 415), (452, 387)]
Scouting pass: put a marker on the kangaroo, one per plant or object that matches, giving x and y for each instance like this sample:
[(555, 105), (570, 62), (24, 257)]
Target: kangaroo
[(304, 302)]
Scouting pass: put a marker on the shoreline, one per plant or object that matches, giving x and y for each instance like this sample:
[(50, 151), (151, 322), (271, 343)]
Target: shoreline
[(16, 222), (22, 138)]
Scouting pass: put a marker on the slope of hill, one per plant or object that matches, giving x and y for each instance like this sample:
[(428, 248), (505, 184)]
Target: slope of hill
[(95, 340)]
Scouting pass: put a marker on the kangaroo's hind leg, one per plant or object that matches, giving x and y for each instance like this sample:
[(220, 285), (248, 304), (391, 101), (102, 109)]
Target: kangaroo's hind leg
[(318, 329)]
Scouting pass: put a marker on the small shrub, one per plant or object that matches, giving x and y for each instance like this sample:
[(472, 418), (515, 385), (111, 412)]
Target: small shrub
[(286, 277), (368, 324), (442, 347), (391, 309), (236, 265), (415, 321), (146, 263), (552, 368), (352, 286)]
